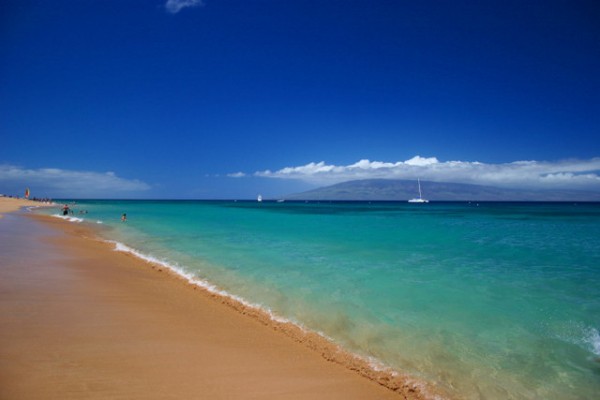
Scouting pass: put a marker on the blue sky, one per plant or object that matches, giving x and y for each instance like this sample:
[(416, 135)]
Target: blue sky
[(228, 99)]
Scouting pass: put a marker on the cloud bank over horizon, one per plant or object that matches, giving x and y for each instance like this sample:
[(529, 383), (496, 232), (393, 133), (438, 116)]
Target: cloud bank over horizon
[(55, 182), (565, 174)]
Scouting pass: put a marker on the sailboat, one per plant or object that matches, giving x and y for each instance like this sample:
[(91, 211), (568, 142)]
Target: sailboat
[(420, 199), (259, 198)]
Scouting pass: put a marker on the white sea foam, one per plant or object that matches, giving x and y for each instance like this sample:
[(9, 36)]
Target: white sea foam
[(378, 366), (68, 218), (592, 338), (583, 336)]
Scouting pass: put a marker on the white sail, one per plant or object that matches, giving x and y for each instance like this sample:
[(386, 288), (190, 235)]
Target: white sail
[(420, 199)]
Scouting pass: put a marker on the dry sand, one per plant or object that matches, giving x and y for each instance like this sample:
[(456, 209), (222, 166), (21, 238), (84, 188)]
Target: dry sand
[(81, 321), (9, 204)]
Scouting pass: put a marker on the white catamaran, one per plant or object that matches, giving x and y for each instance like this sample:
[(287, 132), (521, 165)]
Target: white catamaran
[(420, 199)]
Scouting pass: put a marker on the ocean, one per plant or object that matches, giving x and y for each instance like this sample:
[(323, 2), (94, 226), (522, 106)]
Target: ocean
[(484, 300)]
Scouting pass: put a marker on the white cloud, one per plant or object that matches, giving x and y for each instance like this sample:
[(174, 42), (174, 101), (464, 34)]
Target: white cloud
[(56, 182), (174, 6), (567, 174), (237, 175), (421, 161)]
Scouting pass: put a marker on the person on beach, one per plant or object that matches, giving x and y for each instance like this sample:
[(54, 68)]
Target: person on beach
[(123, 217), (65, 210)]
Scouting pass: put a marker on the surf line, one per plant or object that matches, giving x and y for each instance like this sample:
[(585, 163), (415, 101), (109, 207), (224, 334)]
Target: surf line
[(368, 367)]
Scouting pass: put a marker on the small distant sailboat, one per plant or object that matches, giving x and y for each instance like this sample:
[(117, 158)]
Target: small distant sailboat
[(259, 198), (420, 199)]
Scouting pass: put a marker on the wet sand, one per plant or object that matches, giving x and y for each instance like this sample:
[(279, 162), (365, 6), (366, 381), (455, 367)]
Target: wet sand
[(79, 320)]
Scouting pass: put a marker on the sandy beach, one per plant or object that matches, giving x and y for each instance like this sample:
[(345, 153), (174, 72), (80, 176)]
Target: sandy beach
[(9, 204), (79, 320)]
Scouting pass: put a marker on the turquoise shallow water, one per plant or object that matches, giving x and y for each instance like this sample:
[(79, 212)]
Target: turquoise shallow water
[(489, 301)]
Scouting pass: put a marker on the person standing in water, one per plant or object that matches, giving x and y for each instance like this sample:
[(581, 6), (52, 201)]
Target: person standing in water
[(123, 217)]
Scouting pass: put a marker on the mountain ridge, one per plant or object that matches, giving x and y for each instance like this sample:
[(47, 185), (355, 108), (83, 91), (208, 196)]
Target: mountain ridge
[(402, 190)]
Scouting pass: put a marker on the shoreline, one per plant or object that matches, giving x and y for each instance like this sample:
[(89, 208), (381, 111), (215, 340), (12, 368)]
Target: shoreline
[(404, 384), (359, 374)]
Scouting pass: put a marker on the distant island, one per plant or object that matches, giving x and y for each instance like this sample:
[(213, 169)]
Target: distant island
[(402, 190)]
